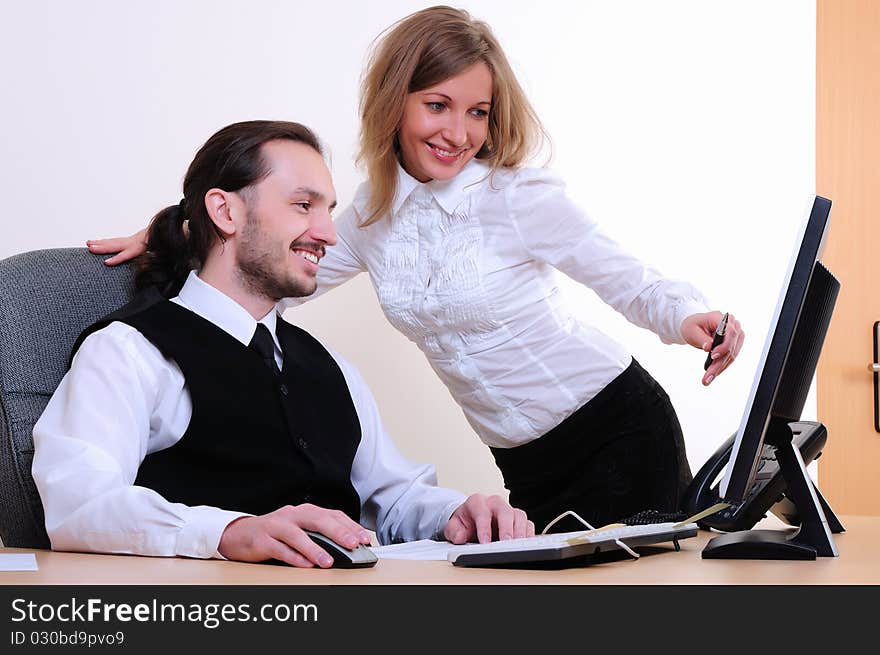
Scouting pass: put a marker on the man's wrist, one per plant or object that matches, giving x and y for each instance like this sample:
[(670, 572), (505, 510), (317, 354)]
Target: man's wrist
[(445, 515), (201, 533)]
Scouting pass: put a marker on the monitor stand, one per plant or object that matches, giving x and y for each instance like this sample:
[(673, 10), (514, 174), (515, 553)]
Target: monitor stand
[(817, 520)]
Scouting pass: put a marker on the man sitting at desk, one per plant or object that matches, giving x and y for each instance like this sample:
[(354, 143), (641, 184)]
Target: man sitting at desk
[(206, 425)]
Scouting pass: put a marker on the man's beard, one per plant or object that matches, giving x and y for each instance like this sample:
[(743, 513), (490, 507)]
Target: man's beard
[(256, 255)]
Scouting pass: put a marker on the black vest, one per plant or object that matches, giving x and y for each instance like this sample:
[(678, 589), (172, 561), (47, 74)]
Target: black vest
[(255, 443)]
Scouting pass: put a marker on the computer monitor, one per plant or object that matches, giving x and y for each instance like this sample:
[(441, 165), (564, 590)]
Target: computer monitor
[(775, 402)]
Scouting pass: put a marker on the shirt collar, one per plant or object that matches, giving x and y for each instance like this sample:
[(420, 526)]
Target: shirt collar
[(215, 306), (448, 193), (406, 184)]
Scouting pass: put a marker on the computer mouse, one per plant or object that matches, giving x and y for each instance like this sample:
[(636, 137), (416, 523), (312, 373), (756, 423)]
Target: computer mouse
[(360, 557)]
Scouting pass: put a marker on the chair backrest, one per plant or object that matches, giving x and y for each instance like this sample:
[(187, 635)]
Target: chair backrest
[(47, 297)]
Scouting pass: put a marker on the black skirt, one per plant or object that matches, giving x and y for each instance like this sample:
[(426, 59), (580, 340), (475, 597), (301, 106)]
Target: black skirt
[(621, 453)]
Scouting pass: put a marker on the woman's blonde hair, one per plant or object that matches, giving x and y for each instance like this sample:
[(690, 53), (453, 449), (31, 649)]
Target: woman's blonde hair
[(417, 52)]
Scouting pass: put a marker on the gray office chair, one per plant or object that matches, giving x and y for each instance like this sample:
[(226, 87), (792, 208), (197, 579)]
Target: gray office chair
[(47, 297)]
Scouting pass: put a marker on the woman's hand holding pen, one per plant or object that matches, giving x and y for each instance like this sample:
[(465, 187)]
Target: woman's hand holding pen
[(701, 330)]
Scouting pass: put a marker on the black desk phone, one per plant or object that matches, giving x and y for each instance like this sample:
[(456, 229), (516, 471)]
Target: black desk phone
[(768, 490)]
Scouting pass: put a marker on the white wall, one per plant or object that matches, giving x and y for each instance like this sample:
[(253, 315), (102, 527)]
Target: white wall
[(686, 128)]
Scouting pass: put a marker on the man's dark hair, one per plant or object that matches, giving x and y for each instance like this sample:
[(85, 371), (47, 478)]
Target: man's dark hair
[(230, 160)]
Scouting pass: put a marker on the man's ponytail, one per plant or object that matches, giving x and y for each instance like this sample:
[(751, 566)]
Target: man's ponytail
[(167, 260)]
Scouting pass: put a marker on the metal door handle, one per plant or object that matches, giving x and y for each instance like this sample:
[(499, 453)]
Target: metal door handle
[(875, 369)]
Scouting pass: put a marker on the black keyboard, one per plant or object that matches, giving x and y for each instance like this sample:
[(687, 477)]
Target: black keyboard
[(653, 516)]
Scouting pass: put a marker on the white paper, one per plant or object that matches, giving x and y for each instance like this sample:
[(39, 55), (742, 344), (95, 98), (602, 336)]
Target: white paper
[(424, 549), (18, 562)]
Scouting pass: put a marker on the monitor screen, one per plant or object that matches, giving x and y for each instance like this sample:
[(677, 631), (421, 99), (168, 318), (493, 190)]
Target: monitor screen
[(791, 350)]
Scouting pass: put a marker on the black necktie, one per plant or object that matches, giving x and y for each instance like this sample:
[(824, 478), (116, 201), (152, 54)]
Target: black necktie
[(265, 347)]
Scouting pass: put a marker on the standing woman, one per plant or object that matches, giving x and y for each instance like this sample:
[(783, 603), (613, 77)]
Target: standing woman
[(460, 242)]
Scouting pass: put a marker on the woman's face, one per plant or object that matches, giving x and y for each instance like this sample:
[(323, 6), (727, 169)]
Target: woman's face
[(445, 125)]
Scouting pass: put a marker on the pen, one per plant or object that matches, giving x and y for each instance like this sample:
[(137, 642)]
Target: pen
[(716, 340)]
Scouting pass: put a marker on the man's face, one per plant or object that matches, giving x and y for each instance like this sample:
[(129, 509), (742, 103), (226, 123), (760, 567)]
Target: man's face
[(288, 222)]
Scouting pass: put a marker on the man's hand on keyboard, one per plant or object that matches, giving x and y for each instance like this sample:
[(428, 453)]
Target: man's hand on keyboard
[(482, 518)]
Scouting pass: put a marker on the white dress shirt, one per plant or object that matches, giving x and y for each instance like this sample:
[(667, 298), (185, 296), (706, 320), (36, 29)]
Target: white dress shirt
[(122, 400), (463, 268)]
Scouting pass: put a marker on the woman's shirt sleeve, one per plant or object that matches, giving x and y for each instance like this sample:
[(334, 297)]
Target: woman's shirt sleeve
[(553, 229)]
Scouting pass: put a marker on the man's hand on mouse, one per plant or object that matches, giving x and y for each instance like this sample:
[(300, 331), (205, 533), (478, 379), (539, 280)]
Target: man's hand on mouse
[(484, 518), (280, 535)]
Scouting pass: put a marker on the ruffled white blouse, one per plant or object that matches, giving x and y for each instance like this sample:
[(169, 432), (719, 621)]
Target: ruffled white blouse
[(463, 268)]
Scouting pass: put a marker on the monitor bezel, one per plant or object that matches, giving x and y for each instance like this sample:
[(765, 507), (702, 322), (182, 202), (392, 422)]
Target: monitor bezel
[(748, 444)]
